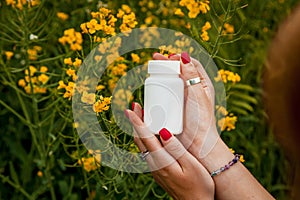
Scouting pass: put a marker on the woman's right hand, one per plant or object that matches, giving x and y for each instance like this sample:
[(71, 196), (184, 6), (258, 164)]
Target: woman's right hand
[(199, 128)]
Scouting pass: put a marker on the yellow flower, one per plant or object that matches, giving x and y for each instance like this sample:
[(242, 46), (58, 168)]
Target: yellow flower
[(112, 20), (63, 16), (126, 8), (120, 13), (148, 20), (204, 36), (43, 78), (204, 6), (77, 62), (102, 104), (69, 90), (83, 28), (93, 26), (226, 75), (11, 3), (100, 87), (118, 69), (179, 12), (32, 70), (130, 20), (68, 61), (22, 83), (104, 11), (71, 72), (206, 26), (88, 98), (193, 10), (37, 48), (97, 39), (41, 90), (61, 85), (183, 2), (228, 28), (35, 2), (43, 69), (32, 54), (39, 173), (227, 123), (89, 164), (73, 38), (20, 4), (242, 158), (124, 28), (8, 54), (135, 58)]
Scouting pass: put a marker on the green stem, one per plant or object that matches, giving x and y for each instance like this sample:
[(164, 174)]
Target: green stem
[(216, 45), (16, 186)]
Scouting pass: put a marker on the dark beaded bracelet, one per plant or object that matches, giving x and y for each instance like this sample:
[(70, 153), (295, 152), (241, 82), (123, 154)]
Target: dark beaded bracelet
[(222, 169)]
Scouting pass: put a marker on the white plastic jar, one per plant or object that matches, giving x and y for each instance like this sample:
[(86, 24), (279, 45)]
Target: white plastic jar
[(163, 97)]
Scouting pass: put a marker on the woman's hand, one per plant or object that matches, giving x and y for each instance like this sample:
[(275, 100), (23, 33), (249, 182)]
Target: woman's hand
[(173, 167), (199, 128)]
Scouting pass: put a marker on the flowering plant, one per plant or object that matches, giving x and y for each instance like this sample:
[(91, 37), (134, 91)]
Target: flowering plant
[(44, 45)]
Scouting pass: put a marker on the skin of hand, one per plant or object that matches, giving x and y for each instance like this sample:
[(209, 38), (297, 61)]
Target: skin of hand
[(202, 139), (199, 130), (185, 178), (235, 183)]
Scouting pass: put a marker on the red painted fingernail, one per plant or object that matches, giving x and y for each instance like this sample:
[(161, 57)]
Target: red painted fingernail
[(185, 57), (165, 134), (126, 113), (132, 106), (172, 54)]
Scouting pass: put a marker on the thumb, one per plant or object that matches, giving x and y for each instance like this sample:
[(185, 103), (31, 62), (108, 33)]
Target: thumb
[(171, 144)]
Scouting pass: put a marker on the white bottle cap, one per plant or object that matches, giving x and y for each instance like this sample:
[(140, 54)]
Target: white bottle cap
[(164, 67)]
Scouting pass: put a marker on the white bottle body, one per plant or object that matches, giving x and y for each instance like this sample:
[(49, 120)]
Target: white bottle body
[(163, 102)]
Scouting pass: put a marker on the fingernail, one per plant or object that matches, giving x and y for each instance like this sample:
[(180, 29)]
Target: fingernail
[(172, 54), (153, 54), (126, 113), (185, 57), (165, 134), (132, 106)]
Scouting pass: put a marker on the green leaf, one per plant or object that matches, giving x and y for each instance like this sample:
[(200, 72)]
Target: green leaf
[(242, 105), (241, 86), (243, 96), (13, 173), (239, 111)]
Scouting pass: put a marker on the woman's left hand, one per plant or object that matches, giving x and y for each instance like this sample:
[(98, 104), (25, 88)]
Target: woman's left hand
[(173, 167)]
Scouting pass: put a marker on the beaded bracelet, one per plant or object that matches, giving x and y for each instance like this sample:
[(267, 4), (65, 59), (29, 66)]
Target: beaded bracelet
[(222, 169)]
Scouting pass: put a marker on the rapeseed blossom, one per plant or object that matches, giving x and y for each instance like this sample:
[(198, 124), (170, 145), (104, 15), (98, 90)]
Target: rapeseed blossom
[(102, 104), (194, 7), (227, 123), (227, 76), (89, 164), (73, 38), (34, 80), (63, 16), (204, 34), (9, 54), (135, 58)]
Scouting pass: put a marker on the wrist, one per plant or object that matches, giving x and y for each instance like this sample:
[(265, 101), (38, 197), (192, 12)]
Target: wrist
[(218, 156)]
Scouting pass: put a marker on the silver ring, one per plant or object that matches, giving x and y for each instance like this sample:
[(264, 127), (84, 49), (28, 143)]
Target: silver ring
[(193, 81), (144, 154)]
